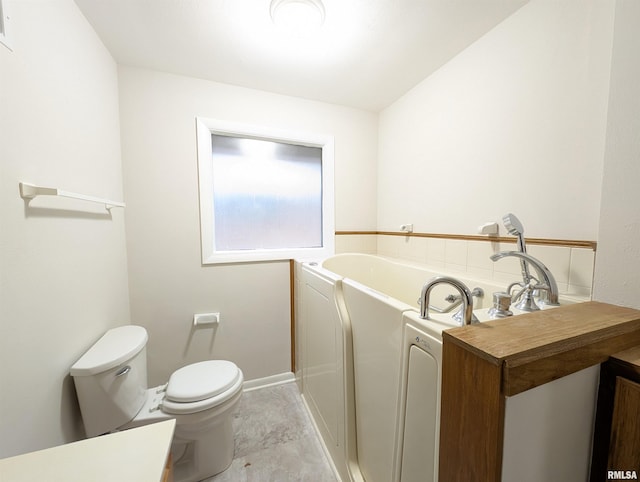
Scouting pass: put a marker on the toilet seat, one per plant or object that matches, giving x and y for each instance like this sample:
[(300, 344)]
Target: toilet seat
[(201, 386)]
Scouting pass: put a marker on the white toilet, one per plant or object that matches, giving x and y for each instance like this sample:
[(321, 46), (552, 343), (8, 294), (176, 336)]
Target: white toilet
[(111, 383)]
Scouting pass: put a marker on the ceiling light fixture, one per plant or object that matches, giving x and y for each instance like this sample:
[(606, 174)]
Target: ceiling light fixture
[(298, 17)]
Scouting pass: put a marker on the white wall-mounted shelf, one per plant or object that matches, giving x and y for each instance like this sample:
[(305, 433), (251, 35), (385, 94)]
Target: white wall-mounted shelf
[(29, 191), (5, 25)]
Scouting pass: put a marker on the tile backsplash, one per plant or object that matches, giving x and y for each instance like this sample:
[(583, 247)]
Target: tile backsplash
[(572, 267)]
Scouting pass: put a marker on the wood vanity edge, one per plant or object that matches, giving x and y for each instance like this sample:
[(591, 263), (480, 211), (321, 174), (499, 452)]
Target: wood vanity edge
[(540, 347), (471, 417), (485, 363)]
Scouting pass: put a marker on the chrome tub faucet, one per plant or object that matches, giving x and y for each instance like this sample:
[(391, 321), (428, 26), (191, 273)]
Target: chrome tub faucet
[(467, 298), (545, 282)]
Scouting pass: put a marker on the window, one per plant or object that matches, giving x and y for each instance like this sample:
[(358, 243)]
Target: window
[(265, 194)]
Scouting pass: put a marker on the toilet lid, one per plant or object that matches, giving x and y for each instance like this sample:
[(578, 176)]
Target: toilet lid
[(202, 380), (184, 408)]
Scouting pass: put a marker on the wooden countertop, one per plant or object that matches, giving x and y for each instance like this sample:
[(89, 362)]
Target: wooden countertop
[(539, 347), (136, 455)]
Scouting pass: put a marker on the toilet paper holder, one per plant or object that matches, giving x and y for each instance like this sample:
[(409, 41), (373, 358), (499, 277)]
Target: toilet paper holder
[(206, 319)]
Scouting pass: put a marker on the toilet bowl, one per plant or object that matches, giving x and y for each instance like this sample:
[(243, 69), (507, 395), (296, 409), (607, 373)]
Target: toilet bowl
[(111, 383)]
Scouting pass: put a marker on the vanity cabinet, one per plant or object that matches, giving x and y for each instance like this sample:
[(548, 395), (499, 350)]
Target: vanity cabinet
[(167, 474), (485, 364), (624, 451), (136, 455), (616, 445)]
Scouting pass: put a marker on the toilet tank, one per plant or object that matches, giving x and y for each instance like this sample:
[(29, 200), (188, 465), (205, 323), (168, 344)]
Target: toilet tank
[(111, 379)]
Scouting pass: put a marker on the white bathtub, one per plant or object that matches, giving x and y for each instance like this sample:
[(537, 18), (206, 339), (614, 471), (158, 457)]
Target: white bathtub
[(369, 366)]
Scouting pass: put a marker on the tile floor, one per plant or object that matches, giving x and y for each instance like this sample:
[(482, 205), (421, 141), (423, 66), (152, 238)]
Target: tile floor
[(275, 440)]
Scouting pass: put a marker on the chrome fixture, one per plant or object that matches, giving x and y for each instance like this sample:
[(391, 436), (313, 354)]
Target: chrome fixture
[(455, 300), (545, 287), (467, 299), (501, 305), (529, 285), (515, 228)]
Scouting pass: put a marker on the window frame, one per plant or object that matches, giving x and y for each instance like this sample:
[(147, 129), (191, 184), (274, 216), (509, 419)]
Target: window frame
[(204, 129)]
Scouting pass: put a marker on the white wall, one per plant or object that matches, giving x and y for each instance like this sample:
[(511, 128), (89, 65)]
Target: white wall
[(515, 123), (617, 277), (168, 284), (63, 271), (518, 121)]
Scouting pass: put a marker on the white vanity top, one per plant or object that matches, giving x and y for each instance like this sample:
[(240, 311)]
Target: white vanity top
[(136, 455)]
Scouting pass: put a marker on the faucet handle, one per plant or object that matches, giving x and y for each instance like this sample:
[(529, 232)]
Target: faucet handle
[(501, 305), (502, 300), (542, 294), (527, 303)]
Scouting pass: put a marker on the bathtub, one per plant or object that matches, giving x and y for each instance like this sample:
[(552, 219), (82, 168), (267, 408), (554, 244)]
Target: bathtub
[(369, 371)]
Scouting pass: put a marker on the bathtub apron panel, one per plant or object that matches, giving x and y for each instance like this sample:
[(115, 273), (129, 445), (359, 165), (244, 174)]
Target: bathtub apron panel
[(320, 330), (376, 322)]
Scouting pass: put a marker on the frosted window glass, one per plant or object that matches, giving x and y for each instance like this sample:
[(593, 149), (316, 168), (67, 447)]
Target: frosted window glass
[(266, 195)]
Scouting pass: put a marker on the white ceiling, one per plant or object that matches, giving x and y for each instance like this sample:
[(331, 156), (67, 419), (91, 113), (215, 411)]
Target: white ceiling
[(367, 55)]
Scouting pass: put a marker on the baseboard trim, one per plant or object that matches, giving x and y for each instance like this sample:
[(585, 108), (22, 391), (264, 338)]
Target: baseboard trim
[(269, 381)]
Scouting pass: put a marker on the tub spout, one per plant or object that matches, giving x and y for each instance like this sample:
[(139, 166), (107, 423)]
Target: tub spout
[(465, 294), (548, 282)]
